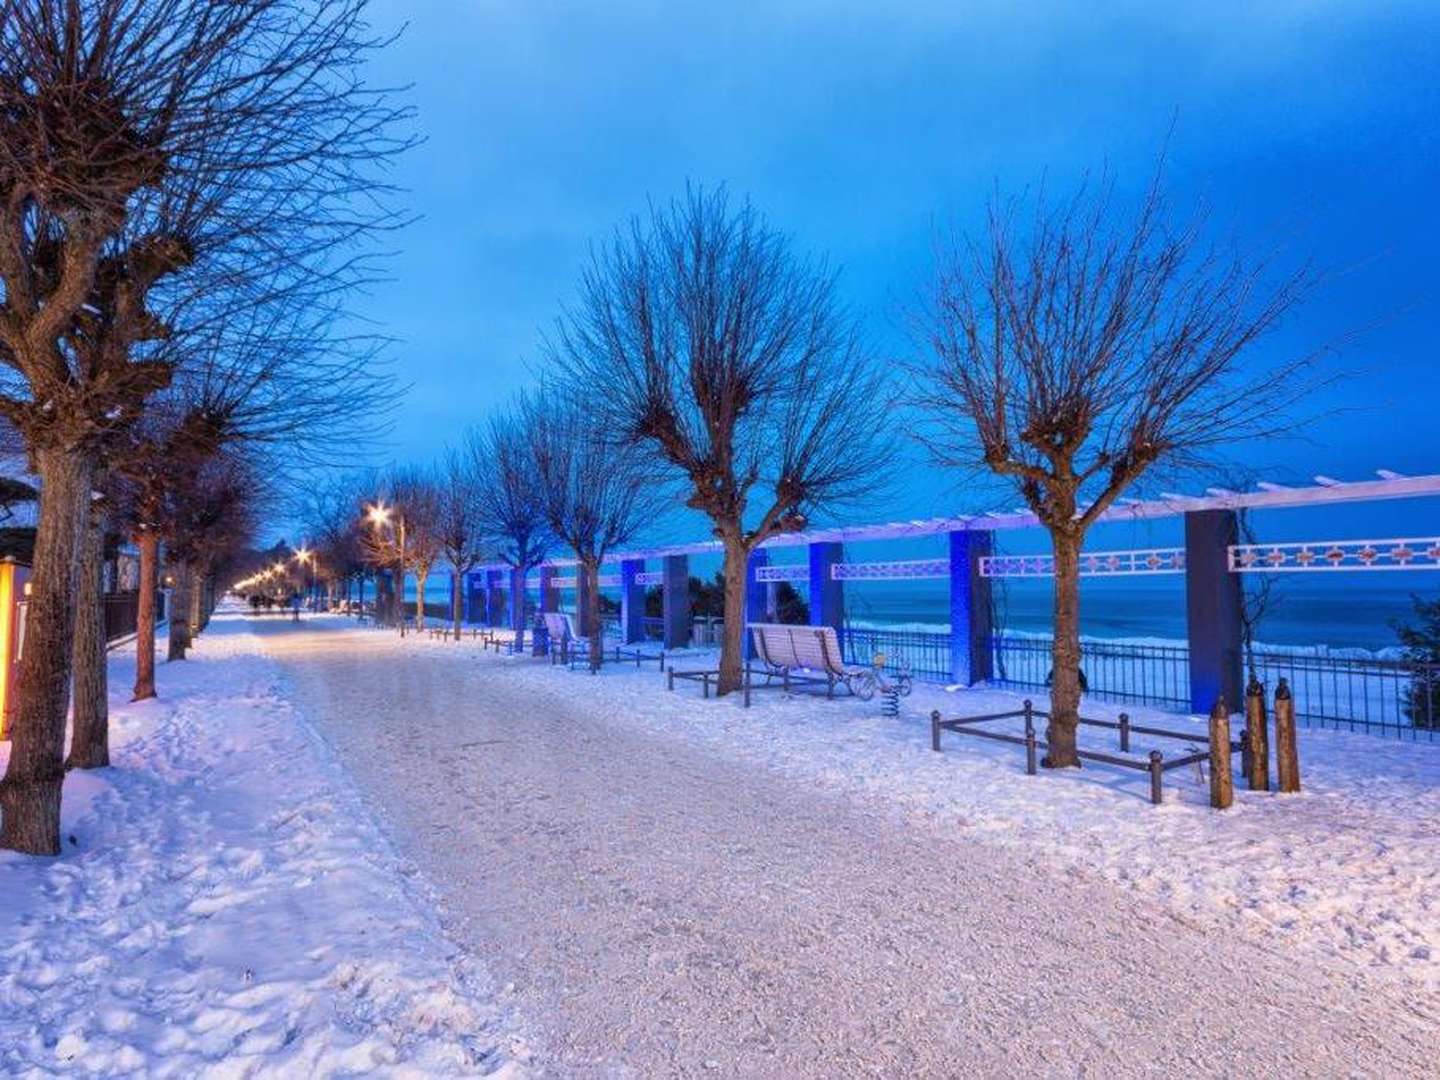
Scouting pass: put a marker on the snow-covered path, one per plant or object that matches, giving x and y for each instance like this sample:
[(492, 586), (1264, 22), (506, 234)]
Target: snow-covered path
[(662, 910), (227, 908)]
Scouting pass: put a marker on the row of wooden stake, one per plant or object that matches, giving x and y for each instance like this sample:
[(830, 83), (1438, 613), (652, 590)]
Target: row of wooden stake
[(1255, 747)]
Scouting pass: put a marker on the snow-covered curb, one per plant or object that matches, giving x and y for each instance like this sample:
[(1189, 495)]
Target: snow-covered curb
[(227, 906)]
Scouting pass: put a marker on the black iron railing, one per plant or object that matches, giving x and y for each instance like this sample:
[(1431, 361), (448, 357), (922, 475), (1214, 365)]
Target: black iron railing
[(927, 653), (1121, 671), (1369, 694)]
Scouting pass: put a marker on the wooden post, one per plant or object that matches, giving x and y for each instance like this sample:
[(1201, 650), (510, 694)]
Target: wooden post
[(1222, 787), (1157, 776), (1257, 737), (1287, 755), (1124, 733), (1029, 737), (935, 730)]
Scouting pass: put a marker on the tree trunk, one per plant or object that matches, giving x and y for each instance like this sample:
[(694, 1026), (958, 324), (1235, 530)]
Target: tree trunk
[(180, 612), (1065, 656), (420, 577), (400, 596), (30, 791), (455, 603), (149, 544), (90, 734), (732, 645), (197, 603), (592, 619)]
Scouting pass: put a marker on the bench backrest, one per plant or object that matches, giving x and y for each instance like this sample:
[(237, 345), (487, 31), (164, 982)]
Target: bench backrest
[(785, 646)]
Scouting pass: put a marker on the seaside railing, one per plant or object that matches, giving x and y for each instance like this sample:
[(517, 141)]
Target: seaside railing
[(1369, 694), (1375, 695), (927, 653), (1113, 670)]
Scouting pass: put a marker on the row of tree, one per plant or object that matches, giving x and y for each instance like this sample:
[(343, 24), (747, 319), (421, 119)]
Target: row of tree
[(188, 193), (1071, 348)]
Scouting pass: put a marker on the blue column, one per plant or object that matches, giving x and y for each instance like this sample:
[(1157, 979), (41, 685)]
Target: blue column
[(632, 601), (675, 588), (475, 596), (969, 607), (582, 594), (1212, 610), (827, 596), (754, 596), (516, 599), (494, 601)]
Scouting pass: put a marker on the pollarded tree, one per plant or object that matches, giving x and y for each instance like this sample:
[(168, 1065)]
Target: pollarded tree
[(507, 488), (597, 495), (138, 140), (406, 534), (1083, 346), (331, 515), (732, 359), (460, 524)]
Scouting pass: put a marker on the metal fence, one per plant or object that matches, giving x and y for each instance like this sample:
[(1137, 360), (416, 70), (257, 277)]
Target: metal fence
[(1364, 694), (1151, 674), (1368, 694), (928, 654)]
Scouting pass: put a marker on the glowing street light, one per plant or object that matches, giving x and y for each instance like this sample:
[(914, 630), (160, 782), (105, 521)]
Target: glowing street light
[(379, 515), (306, 557)]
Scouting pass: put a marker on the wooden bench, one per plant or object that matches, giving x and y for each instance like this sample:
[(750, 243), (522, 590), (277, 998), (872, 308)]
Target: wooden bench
[(808, 654)]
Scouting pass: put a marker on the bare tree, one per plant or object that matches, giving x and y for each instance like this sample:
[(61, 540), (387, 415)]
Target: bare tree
[(459, 527), (1093, 346), (406, 534), (508, 490), (733, 358), (331, 513), (140, 143), (597, 495)]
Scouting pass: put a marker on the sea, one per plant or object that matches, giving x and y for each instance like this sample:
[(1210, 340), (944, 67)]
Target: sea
[(1357, 610)]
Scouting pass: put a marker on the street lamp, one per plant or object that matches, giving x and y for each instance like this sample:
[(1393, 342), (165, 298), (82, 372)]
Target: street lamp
[(379, 515), (306, 557)]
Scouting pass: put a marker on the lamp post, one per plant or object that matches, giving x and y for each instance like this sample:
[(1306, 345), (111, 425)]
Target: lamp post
[(306, 557), (379, 515)]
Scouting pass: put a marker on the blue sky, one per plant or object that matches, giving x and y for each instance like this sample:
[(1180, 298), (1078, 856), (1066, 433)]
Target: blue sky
[(860, 128)]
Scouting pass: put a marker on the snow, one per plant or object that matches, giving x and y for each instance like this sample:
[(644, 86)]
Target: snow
[(226, 906), (1349, 868), (677, 885), (587, 874)]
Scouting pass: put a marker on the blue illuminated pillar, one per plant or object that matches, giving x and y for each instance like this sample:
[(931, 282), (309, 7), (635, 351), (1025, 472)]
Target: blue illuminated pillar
[(827, 596), (754, 596), (1212, 610), (969, 607), (494, 601), (675, 589), (582, 593), (632, 601), (475, 596), (516, 599)]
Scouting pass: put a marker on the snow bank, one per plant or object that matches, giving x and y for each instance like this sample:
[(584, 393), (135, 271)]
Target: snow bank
[(226, 906), (1349, 868)]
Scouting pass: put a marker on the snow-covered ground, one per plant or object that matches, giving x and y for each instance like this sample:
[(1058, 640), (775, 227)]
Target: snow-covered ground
[(683, 887), (325, 847), (227, 907), (1349, 868)]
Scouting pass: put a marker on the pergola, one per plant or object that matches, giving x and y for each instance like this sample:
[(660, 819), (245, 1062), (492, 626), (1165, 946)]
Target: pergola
[(1211, 560)]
